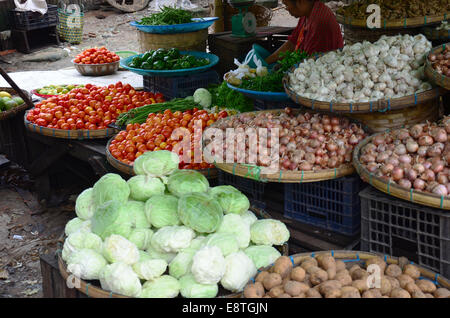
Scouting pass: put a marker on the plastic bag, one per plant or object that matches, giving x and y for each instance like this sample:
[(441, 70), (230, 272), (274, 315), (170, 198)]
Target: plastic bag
[(260, 69), (32, 5)]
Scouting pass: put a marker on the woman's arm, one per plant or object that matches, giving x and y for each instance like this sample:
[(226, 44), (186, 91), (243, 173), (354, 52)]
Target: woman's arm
[(288, 46)]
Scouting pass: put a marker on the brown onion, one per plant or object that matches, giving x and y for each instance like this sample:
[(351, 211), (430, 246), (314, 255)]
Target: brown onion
[(405, 183), (412, 146), (397, 173), (419, 184), (426, 140), (440, 190)]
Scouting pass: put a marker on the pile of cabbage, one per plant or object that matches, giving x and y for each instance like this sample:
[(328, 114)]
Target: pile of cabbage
[(166, 232)]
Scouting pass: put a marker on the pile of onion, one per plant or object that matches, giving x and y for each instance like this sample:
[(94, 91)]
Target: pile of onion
[(307, 141), (415, 158), (441, 62)]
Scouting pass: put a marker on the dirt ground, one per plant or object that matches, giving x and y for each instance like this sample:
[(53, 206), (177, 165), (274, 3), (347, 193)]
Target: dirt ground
[(26, 229)]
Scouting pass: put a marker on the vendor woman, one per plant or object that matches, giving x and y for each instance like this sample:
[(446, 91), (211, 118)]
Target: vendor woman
[(317, 29)]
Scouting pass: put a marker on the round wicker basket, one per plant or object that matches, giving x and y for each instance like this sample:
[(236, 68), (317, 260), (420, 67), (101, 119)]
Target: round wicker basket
[(394, 24), (13, 111), (412, 195), (93, 289), (432, 74)]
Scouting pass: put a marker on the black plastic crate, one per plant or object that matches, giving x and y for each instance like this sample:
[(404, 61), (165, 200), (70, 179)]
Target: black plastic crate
[(179, 86), (27, 20), (400, 228), (332, 204), (13, 140), (254, 190)]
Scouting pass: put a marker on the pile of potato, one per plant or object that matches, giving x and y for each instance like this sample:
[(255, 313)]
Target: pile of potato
[(326, 277)]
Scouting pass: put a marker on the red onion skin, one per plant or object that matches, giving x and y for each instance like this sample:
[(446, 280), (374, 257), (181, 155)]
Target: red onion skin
[(426, 141), (411, 174), (440, 190), (419, 184), (397, 173), (428, 175), (405, 183)]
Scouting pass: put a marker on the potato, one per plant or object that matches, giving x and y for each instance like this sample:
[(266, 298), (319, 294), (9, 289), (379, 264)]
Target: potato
[(344, 278), (255, 290), (293, 288), (428, 295), (283, 266), (328, 286), (302, 295), (402, 262), (360, 285), (340, 266), (399, 293), (418, 294), (308, 280), (309, 263), (334, 293), (272, 280), (393, 270), (426, 286), (386, 286), (404, 280), (411, 271), (411, 288), (394, 282), (304, 287), (442, 293), (370, 294), (328, 263), (350, 292), (284, 296), (312, 269), (276, 291), (353, 268), (312, 293), (377, 261), (260, 277), (285, 280), (359, 274), (318, 276), (298, 274)]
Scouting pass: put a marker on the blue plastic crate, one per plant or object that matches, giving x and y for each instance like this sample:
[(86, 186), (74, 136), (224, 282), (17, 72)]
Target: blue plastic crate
[(180, 86), (332, 204), (254, 190)]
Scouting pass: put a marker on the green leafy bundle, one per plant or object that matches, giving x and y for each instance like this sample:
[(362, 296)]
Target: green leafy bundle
[(168, 16), (224, 96)]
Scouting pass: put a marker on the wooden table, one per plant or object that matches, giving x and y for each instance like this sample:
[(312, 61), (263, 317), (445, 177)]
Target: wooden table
[(227, 47)]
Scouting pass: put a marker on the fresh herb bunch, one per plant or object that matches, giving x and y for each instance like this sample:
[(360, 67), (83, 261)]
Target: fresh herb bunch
[(273, 82), (224, 96), (168, 16)]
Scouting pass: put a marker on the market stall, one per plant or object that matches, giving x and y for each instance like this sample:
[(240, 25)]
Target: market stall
[(355, 172)]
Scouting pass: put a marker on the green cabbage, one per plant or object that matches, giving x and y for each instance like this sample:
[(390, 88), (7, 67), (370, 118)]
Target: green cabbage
[(118, 249), (84, 205), (121, 279), (208, 265), (110, 187), (143, 187), (225, 241), (181, 264), (187, 181), (200, 212), (239, 270), (143, 256), (86, 264), (234, 225), (162, 287), (155, 254), (150, 269), (136, 210), (203, 97), (141, 238), (77, 224), (81, 240), (269, 232), (230, 199), (111, 218), (262, 255), (189, 288), (156, 163), (171, 239), (249, 217), (162, 210)]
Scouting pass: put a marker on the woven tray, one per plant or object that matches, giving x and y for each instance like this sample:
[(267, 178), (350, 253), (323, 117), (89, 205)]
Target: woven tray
[(286, 176), (435, 35), (399, 23), (13, 111), (358, 257), (430, 72), (381, 105), (419, 197), (94, 290), (210, 173), (79, 134), (354, 35)]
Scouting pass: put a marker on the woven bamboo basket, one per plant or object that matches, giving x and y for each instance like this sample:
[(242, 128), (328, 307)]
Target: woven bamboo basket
[(435, 35), (432, 74), (80, 134), (398, 23), (428, 199), (13, 111), (379, 122), (354, 34), (381, 105), (210, 173), (283, 176), (360, 258), (93, 289)]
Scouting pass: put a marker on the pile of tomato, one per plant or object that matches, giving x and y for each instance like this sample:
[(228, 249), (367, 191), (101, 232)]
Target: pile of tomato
[(89, 107), (156, 134), (96, 56)]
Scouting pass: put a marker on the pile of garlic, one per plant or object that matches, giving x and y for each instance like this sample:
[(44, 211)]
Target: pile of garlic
[(392, 67), (444, 26)]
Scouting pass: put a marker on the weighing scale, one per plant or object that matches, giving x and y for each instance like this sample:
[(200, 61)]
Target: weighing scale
[(243, 24)]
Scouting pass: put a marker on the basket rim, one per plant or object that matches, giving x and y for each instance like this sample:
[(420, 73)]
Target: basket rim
[(431, 73), (17, 109), (427, 199), (80, 64)]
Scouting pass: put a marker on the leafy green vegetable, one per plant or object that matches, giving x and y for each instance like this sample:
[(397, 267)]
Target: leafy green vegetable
[(168, 16), (162, 210), (223, 96), (156, 163), (111, 218), (191, 289), (162, 287), (110, 187), (187, 181)]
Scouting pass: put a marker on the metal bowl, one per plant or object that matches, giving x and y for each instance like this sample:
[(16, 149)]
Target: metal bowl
[(97, 69)]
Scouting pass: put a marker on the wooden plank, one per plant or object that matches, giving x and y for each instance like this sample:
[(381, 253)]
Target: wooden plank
[(46, 272)]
